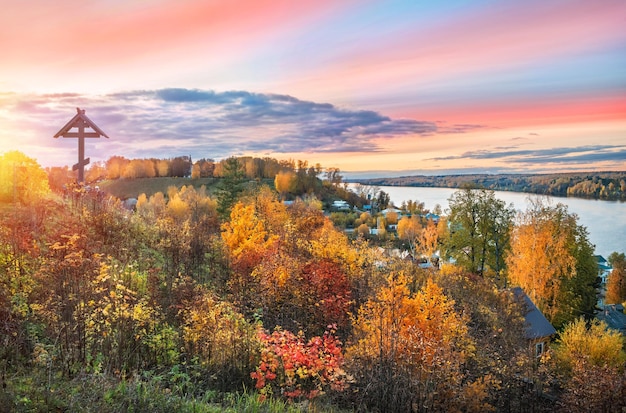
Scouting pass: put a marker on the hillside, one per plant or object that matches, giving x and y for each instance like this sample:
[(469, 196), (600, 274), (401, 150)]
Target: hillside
[(595, 185), (214, 302)]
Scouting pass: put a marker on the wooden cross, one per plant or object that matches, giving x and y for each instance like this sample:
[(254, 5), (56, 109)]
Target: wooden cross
[(80, 121)]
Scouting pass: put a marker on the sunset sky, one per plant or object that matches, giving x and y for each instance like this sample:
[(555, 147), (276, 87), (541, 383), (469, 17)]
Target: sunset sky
[(383, 87)]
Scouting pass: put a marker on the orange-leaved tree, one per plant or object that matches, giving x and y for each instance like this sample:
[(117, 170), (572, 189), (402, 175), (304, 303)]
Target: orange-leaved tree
[(616, 285), (409, 350)]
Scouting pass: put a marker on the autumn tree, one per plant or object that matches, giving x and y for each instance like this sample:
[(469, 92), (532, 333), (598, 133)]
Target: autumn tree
[(479, 230), (409, 230), (21, 179), (96, 172), (363, 230), (59, 178), (413, 207), (591, 362), (245, 236), (408, 351), (326, 296), (392, 218), (222, 339), (285, 183), (365, 218), (248, 242), (180, 166), (115, 166), (552, 260), (616, 284), (64, 287), (162, 167), (356, 259), (203, 168), (422, 237), (497, 326)]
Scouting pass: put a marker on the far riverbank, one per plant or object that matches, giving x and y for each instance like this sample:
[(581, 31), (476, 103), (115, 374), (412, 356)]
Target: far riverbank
[(608, 186)]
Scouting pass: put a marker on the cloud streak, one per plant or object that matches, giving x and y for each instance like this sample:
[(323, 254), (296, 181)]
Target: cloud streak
[(170, 122), (570, 155)]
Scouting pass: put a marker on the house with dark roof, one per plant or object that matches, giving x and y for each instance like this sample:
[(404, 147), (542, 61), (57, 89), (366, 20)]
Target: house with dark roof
[(538, 331)]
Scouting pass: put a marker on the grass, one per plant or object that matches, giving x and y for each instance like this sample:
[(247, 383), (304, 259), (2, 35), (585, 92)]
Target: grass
[(99, 393)]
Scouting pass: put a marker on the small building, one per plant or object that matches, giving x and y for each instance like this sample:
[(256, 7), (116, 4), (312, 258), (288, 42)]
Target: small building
[(396, 211), (604, 269), (340, 205), (539, 331), (431, 217)]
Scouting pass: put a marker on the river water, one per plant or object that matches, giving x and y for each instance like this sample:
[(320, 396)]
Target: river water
[(605, 220)]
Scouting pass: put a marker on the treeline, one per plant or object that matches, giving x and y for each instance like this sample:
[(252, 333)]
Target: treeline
[(119, 167), (292, 177), (597, 185)]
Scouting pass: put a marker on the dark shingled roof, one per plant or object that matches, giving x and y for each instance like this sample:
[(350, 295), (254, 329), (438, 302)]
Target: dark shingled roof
[(537, 325)]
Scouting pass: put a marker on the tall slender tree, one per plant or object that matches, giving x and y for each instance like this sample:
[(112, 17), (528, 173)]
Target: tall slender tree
[(230, 187), (552, 260), (479, 230)]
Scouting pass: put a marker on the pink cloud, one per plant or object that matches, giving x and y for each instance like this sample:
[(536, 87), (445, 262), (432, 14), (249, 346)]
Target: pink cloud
[(500, 37), (521, 112), (73, 32)]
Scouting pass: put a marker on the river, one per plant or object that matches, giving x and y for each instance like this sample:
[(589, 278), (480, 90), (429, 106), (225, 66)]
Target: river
[(605, 220)]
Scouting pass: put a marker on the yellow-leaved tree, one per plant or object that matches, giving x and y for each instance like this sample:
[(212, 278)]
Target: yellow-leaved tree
[(248, 242), (285, 182), (245, 235), (552, 260), (222, 340), (591, 363), (21, 178), (409, 230)]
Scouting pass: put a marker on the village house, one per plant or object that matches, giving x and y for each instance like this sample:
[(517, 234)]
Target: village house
[(539, 331), (340, 205)]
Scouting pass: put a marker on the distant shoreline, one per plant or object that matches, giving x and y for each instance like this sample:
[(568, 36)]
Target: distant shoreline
[(604, 186)]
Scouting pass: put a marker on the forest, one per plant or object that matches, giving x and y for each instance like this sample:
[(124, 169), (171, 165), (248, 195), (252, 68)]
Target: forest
[(231, 299), (609, 186)]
